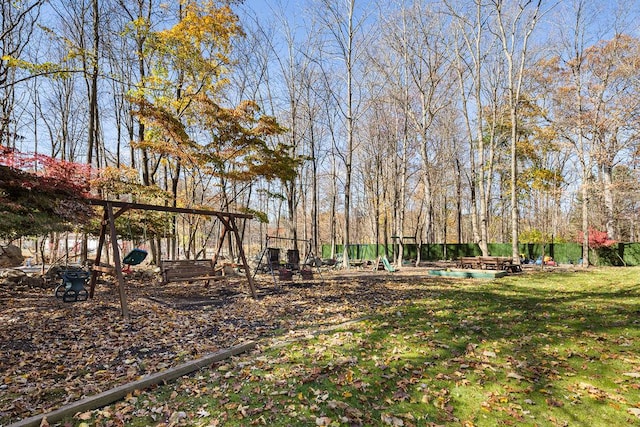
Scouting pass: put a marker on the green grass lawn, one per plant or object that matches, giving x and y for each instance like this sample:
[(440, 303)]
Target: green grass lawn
[(544, 349)]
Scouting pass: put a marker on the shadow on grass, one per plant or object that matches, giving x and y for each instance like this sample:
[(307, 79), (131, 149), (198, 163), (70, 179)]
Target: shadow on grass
[(559, 343), (540, 349), (548, 345)]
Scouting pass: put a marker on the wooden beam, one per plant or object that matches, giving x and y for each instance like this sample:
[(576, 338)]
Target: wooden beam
[(142, 206), (223, 233), (118, 393)]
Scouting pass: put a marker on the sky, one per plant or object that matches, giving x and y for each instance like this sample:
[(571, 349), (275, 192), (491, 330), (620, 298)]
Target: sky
[(606, 16)]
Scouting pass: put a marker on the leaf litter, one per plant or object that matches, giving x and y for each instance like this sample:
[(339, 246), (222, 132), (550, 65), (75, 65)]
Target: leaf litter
[(438, 352), (53, 353)]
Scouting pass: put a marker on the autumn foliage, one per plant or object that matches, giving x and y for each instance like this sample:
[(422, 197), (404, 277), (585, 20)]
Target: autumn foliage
[(597, 239), (51, 198)]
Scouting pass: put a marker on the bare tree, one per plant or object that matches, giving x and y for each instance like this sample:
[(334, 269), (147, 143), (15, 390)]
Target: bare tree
[(611, 67), (16, 27), (473, 47), (515, 22), (345, 25), (565, 76), (430, 81)]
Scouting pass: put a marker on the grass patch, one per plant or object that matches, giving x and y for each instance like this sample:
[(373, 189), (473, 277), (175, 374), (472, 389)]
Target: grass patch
[(543, 349)]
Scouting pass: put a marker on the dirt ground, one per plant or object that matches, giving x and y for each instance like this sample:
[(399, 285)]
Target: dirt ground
[(53, 353)]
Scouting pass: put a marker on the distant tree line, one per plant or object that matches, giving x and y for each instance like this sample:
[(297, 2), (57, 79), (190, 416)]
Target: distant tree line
[(346, 121)]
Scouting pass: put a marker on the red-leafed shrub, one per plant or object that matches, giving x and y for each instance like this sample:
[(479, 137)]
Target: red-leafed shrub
[(603, 247), (597, 239), (52, 198)]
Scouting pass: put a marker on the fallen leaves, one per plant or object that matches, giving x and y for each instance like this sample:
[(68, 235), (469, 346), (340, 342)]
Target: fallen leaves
[(634, 411), (438, 352), (515, 376), (88, 348), (391, 420)]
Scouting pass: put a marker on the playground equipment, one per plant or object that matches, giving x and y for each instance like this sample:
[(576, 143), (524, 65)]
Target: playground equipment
[(229, 229), (72, 289), (281, 255), (135, 257)]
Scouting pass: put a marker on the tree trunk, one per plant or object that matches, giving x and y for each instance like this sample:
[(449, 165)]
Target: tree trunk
[(459, 201), (515, 217), (585, 218), (609, 208), (334, 195), (93, 129), (314, 189)]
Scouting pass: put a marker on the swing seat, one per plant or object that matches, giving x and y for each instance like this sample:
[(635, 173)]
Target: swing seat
[(135, 257)]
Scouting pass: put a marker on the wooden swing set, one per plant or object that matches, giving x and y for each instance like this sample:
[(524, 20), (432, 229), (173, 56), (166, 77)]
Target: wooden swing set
[(227, 219)]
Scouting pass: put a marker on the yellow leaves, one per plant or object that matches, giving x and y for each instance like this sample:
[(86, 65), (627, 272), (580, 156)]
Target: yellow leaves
[(349, 376), (46, 68), (246, 109), (196, 49), (203, 22), (156, 115), (199, 44), (268, 126), (140, 23)]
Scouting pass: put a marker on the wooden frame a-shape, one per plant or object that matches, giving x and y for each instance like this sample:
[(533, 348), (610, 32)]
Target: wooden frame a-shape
[(109, 217)]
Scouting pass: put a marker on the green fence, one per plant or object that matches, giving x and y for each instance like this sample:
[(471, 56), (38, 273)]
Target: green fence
[(564, 253), (359, 251)]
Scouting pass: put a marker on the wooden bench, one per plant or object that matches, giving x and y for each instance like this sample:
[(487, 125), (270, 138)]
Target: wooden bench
[(469, 262), (188, 270), (509, 265), (506, 263)]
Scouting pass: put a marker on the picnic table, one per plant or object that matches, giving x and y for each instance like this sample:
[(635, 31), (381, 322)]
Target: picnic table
[(489, 263)]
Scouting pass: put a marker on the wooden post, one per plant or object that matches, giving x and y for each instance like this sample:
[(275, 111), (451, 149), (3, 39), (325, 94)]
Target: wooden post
[(94, 273), (223, 233), (116, 261), (247, 273)]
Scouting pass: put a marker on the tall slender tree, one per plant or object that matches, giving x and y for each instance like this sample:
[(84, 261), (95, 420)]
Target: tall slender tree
[(345, 26), (16, 28), (515, 23)]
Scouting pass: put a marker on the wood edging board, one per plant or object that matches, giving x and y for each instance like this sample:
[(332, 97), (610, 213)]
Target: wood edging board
[(117, 393)]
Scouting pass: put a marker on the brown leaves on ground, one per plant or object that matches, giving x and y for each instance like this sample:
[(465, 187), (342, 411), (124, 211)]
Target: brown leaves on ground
[(53, 353)]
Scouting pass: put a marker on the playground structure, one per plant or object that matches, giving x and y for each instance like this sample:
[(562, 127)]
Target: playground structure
[(135, 257), (229, 227), (72, 286), (281, 255)]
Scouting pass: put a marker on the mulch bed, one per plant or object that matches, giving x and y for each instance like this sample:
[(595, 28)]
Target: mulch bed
[(53, 353)]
